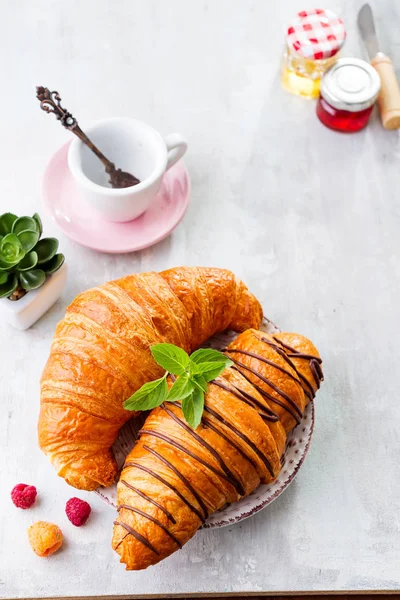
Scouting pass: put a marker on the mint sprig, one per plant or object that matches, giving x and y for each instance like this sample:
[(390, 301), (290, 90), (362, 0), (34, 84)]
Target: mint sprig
[(172, 358), (192, 374)]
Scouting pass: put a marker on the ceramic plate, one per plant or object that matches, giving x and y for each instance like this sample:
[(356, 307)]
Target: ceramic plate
[(296, 449), (80, 222)]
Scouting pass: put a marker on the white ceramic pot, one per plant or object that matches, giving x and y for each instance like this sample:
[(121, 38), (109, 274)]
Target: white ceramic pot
[(23, 313), (132, 146)]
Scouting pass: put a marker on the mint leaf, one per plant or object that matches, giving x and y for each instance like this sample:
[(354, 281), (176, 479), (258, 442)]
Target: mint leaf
[(206, 355), (171, 358), (211, 374), (200, 381), (149, 396), (193, 374), (211, 368), (182, 387), (209, 363), (192, 408)]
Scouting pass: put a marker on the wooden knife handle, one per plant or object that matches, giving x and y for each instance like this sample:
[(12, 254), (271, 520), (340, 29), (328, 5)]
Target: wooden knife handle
[(389, 97)]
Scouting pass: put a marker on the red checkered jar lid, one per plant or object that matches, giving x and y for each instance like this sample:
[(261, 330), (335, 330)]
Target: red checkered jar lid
[(316, 34)]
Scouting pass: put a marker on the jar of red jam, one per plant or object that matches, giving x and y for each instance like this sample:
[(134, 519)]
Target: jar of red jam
[(347, 96)]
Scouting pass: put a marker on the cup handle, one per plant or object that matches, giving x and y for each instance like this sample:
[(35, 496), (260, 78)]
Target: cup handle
[(176, 147)]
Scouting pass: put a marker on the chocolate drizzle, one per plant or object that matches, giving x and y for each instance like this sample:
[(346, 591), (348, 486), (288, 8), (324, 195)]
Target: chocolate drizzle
[(229, 476), (269, 397), (268, 414), (219, 418), (242, 436), (145, 497), (317, 372), (264, 360), (308, 390), (153, 520), (169, 485), (297, 352), (315, 361), (184, 480), (272, 385), (231, 442), (169, 440), (138, 536)]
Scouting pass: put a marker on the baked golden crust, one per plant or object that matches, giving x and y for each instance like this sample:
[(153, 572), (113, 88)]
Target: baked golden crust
[(213, 301), (175, 477), (101, 355)]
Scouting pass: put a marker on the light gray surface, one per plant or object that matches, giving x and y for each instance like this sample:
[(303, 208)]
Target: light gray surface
[(308, 217)]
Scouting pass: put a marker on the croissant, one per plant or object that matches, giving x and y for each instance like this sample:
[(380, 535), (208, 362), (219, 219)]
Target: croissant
[(175, 477), (101, 355)]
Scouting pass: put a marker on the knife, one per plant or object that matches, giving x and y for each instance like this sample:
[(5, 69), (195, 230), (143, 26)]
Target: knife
[(389, 97)]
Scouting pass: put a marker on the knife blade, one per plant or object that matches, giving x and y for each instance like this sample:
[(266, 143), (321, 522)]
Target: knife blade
[(389, 97), (366, 26)]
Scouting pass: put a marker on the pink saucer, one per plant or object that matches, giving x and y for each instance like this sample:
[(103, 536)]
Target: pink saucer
[(83, 225)]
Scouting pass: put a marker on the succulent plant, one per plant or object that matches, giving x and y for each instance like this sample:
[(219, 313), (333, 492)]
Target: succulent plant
[(25, 259)]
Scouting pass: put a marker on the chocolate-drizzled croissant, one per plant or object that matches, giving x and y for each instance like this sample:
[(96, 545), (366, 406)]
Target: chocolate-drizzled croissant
[(176, 477)]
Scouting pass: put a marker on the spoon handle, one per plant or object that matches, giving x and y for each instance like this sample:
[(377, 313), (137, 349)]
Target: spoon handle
[(50, 102)]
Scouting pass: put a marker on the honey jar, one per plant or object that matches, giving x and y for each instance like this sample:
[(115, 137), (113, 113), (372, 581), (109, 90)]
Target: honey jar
[(348, 93), (313, 41)]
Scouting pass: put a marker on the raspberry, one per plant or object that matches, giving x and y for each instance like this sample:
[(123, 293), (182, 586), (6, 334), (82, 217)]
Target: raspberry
[(78, 511), (23, 495), (45, 538)]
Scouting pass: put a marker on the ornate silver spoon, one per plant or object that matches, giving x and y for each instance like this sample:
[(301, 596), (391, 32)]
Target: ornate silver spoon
[(50, 102)]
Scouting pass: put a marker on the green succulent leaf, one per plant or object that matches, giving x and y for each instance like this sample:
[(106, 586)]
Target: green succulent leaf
[(192, 408), (46, 249), (31, 280), (7, 288), (182, 387), (11, 250), (53, 264), (5, 266), (28, 262), (149, 396), (171, 358), (20, 254), (28, 239), (6, 223), (24, 224), (38, 223)]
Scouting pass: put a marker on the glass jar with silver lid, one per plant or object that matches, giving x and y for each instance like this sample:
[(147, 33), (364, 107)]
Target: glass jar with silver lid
[(348, 93)]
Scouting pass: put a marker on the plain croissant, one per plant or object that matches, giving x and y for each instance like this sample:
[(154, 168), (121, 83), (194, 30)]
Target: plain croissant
[(101, 355), (175, 477)]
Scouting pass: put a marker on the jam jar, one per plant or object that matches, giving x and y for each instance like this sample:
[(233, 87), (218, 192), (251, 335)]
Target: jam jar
[(313, 40), (348, 93)]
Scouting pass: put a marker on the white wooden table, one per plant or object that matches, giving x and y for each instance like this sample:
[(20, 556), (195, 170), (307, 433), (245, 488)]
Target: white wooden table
[(309, 218)]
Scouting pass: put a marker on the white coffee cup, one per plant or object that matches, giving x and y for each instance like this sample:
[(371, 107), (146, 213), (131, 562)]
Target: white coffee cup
[(132, 146)]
